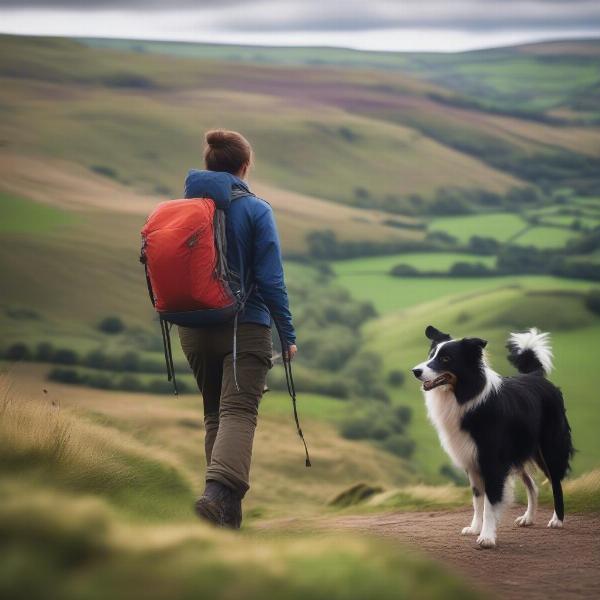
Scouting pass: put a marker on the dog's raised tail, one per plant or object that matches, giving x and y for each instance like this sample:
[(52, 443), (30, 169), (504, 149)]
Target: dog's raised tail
[(530, 351)]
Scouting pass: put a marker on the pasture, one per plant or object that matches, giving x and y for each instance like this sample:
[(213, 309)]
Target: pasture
[(492, 313), (430, 261), (499, 226), (388, 293), (545, 237), (22, 216)]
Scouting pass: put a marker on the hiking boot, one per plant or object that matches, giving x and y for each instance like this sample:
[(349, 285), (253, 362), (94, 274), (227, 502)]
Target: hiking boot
[(220, 506)]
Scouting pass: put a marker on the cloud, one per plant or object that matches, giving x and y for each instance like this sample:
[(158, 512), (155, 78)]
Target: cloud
[(461, 15), (353, 15), (444, 25)]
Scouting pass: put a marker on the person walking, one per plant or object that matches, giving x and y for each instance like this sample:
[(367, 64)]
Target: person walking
[(232, 380)]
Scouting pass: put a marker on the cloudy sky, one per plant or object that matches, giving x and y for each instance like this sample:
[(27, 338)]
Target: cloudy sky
[(444, 25)]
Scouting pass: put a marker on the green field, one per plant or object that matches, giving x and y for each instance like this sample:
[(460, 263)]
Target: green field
[(545, 237), (492, 314), (500, 226), (431, 261), (389, 293), (586, 222), (22, 216)]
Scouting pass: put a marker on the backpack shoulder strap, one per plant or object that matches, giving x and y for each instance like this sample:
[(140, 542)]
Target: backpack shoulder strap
[(238, 192)]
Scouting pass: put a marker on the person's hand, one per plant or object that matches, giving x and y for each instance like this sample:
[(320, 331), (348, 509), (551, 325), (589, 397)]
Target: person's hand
[(290, 352)]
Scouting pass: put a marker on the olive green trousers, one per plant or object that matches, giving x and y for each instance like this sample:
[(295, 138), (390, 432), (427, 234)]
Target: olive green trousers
[(230, 414)]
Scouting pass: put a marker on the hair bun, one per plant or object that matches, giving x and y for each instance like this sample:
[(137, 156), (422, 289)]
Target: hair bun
[(217, 138)]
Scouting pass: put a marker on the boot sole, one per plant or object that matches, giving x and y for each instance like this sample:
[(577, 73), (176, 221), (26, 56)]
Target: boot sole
[(207, 511)]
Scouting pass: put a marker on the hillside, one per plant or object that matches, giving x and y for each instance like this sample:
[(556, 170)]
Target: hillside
[(530, 75), (97, 495), (360, 154), (488, 308)]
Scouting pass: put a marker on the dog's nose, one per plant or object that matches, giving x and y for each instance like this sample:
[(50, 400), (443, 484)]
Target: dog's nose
[(417, 372)]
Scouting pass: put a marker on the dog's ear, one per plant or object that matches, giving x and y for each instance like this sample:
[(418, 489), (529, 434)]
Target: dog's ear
[(435, 335), (476, 342)]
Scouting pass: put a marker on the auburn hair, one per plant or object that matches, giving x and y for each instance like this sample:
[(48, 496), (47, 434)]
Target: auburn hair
[(226, 151)]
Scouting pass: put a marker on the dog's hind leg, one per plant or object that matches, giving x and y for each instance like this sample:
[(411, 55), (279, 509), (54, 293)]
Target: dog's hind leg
[(556, 522), (478, 493), (554, 466), (528, 518)]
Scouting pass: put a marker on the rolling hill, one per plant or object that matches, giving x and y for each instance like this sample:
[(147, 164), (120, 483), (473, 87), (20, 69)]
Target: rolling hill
[(380, 150)]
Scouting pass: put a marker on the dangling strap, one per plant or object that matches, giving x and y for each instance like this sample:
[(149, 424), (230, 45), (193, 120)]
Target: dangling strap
[(235, 325), (289, 378), (166, 335), (241, 306)]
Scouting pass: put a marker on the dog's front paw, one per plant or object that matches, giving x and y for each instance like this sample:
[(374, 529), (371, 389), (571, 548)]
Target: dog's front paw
[(485, 541), (555, 522), (524, 521), (469, 531)]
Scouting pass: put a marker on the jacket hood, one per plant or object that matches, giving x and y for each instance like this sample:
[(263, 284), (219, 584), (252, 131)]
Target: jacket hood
[(212, 184)]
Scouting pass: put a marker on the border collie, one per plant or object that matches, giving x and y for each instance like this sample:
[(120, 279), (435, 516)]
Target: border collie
[(493, 426)]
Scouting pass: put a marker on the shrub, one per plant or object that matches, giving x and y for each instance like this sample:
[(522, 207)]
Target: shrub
[(361, 193), (403, 414), (403, 270), (129, 383), (129, 80), (466, 269), (377, 424), (355, 495), (99, 380), (450, 202), (576, 269), (129, 361), (65, 375), (18, 351), (396, 378), (356, 428), (162, 386), (347, 134), (104, 171), (400, 445), (111, 325), (441, 237), (592, 301), (453, 474), (364, 370), (143, 340), (151, 366), (483, 245), (22, 314), (65, 356), (44, 352), (96, 359)]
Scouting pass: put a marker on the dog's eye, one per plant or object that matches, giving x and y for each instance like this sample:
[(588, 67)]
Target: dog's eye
[(445, 359)]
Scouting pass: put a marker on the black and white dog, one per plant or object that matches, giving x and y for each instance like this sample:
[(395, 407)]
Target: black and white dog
[(494, 426)]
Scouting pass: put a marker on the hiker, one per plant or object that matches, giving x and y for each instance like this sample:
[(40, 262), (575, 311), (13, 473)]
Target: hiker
[(232, 383)]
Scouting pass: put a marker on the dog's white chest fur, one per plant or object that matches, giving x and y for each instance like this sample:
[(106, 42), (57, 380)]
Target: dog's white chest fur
[(446, 414)]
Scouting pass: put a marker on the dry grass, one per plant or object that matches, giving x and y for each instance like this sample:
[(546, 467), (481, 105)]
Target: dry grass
[(168, 431)]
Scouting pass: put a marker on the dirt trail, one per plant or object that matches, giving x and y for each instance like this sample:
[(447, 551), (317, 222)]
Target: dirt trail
[(529, 562)]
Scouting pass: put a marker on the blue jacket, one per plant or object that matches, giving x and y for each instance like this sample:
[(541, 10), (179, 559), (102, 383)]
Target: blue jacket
[(253, 248)]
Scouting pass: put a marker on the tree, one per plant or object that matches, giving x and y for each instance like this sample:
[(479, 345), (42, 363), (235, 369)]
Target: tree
[(44, 352), (111, 325), (18, 351)]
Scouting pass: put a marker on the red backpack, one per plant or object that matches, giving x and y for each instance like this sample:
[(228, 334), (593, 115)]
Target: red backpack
[(184, 253)]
